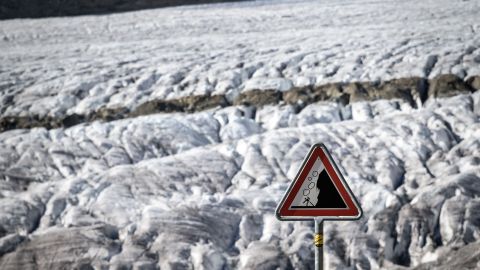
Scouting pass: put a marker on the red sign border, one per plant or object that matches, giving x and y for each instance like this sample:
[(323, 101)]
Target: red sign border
[(353, 210)]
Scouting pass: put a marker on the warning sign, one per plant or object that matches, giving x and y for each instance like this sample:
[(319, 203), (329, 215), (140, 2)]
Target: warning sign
[(318, 190)]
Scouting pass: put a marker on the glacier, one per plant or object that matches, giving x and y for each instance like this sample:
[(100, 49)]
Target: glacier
[(390, 87)]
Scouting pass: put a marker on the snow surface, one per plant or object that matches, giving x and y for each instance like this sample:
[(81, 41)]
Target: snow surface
[(183, 191), (61, 66), (215, 200)]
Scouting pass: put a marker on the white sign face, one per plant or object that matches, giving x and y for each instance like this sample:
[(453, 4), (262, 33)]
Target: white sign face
[(308, 195)]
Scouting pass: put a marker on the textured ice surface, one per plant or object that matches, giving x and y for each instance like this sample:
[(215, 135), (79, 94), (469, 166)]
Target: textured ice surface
[(147, 196), (183, 191), (77, 65)]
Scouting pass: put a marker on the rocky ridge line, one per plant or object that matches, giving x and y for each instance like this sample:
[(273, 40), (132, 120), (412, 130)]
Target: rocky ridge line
[(414, 90), (10, 9)]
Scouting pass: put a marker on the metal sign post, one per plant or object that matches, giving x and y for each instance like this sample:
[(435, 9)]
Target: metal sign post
[(318, 241)]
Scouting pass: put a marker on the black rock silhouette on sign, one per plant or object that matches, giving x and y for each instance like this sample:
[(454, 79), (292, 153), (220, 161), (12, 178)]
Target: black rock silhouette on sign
[(328, 196)]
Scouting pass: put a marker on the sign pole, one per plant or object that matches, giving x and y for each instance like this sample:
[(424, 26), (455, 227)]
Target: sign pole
[(318, 241)]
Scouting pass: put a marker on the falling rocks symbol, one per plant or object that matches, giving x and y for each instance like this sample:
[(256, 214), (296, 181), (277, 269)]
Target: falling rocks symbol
[(318, 190), (328, 196)]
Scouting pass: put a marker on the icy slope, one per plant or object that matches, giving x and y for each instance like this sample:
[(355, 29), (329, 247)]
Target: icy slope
[(261, 82), (77, 65), (415, 172)]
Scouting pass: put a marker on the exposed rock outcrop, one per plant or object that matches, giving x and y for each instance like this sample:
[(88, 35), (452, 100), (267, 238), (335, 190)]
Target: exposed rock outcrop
[(448, 85), (39, 8), (414, 91)]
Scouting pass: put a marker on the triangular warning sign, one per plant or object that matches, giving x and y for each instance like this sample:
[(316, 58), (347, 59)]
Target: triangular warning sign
[(318, 190)]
